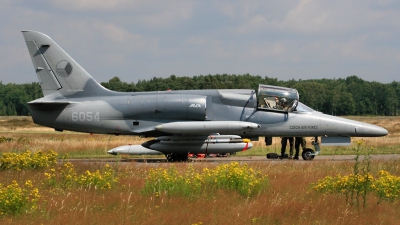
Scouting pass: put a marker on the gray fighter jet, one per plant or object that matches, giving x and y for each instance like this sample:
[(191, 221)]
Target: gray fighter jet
[(181, 122)]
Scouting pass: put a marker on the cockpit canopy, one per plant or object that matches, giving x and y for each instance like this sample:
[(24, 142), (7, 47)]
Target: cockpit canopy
[(277, 98)]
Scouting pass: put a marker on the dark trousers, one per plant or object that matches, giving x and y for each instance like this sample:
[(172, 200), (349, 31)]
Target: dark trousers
[(284, 143), (299, 141)]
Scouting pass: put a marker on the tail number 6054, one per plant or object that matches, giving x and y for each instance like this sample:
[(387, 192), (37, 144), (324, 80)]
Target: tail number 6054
[(85, 116)]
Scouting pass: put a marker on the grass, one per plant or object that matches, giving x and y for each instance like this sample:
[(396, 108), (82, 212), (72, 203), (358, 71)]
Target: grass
[(288, 198), (28, 136)]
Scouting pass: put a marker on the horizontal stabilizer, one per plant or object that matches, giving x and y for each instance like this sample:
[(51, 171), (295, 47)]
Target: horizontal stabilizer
[(52, 103)]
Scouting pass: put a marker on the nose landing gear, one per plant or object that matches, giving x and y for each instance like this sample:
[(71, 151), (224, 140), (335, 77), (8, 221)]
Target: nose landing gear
[(308, 153)]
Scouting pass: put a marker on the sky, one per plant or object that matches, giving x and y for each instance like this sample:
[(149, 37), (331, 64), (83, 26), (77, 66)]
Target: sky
[(142, 39)]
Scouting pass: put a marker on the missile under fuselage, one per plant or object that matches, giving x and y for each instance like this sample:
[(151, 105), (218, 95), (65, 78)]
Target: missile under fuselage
[(187, 144), (201, 147)]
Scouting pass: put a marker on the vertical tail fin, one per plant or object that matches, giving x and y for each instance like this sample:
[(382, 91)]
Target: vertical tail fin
[(58, 73)]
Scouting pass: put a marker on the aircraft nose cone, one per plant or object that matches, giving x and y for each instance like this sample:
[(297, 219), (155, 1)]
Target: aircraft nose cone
[(369, 130)]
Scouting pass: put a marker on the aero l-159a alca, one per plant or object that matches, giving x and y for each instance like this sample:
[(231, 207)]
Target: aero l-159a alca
[(181, 122)]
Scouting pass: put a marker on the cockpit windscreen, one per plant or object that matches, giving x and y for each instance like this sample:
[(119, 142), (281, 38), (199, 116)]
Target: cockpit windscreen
[(303, 108)]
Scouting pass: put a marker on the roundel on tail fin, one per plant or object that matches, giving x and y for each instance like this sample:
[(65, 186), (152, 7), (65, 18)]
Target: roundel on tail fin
[(64, 68)]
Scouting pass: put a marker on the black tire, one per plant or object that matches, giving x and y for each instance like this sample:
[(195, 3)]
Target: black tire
[(272, 156), (307, 154)]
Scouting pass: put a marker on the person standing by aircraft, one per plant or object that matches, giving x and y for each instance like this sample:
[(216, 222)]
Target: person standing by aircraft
[(283, 149), (297, 142)]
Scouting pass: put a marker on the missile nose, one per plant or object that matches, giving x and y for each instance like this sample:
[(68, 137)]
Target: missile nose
[(111, 152)]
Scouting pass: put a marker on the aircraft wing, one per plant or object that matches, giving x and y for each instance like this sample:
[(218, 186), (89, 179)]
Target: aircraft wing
[(207, 127)]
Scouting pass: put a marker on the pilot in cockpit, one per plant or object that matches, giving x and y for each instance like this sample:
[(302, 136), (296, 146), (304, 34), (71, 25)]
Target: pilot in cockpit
[(282, 104)]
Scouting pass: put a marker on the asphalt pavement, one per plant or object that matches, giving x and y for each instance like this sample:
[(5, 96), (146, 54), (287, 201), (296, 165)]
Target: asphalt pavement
[(161, 159)]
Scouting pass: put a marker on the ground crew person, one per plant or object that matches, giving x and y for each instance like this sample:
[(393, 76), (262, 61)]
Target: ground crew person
[(299, 141), (284, 143)]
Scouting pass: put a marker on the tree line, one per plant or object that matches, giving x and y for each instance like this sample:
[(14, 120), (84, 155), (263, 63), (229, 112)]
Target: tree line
[(349, 96)]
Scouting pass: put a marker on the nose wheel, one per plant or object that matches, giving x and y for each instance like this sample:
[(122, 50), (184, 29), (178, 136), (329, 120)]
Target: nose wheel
[(308, 153)]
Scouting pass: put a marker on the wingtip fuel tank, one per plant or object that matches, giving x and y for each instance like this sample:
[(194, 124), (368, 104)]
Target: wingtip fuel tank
[(133, 150)]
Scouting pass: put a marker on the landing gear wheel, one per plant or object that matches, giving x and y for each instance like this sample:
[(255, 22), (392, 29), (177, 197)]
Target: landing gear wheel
[(175, 157), (307, 154)]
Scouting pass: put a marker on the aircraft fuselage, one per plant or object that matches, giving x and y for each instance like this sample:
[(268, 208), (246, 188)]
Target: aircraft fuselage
[(138, 114)]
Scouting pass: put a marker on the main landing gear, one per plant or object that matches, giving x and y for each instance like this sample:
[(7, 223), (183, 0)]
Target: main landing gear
[(176, 157), (308, 153)]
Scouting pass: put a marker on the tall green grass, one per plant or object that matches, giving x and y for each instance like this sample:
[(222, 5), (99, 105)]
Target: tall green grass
[(233, 176)]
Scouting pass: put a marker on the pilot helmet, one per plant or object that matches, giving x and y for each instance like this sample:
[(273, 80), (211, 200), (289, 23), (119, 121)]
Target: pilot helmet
[(283, 100)]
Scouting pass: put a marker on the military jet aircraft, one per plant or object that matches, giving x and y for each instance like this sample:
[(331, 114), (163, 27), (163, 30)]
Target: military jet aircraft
[(181, 122)]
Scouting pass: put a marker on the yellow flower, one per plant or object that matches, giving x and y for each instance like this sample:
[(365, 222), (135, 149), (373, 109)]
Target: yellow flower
[(28, 183)]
